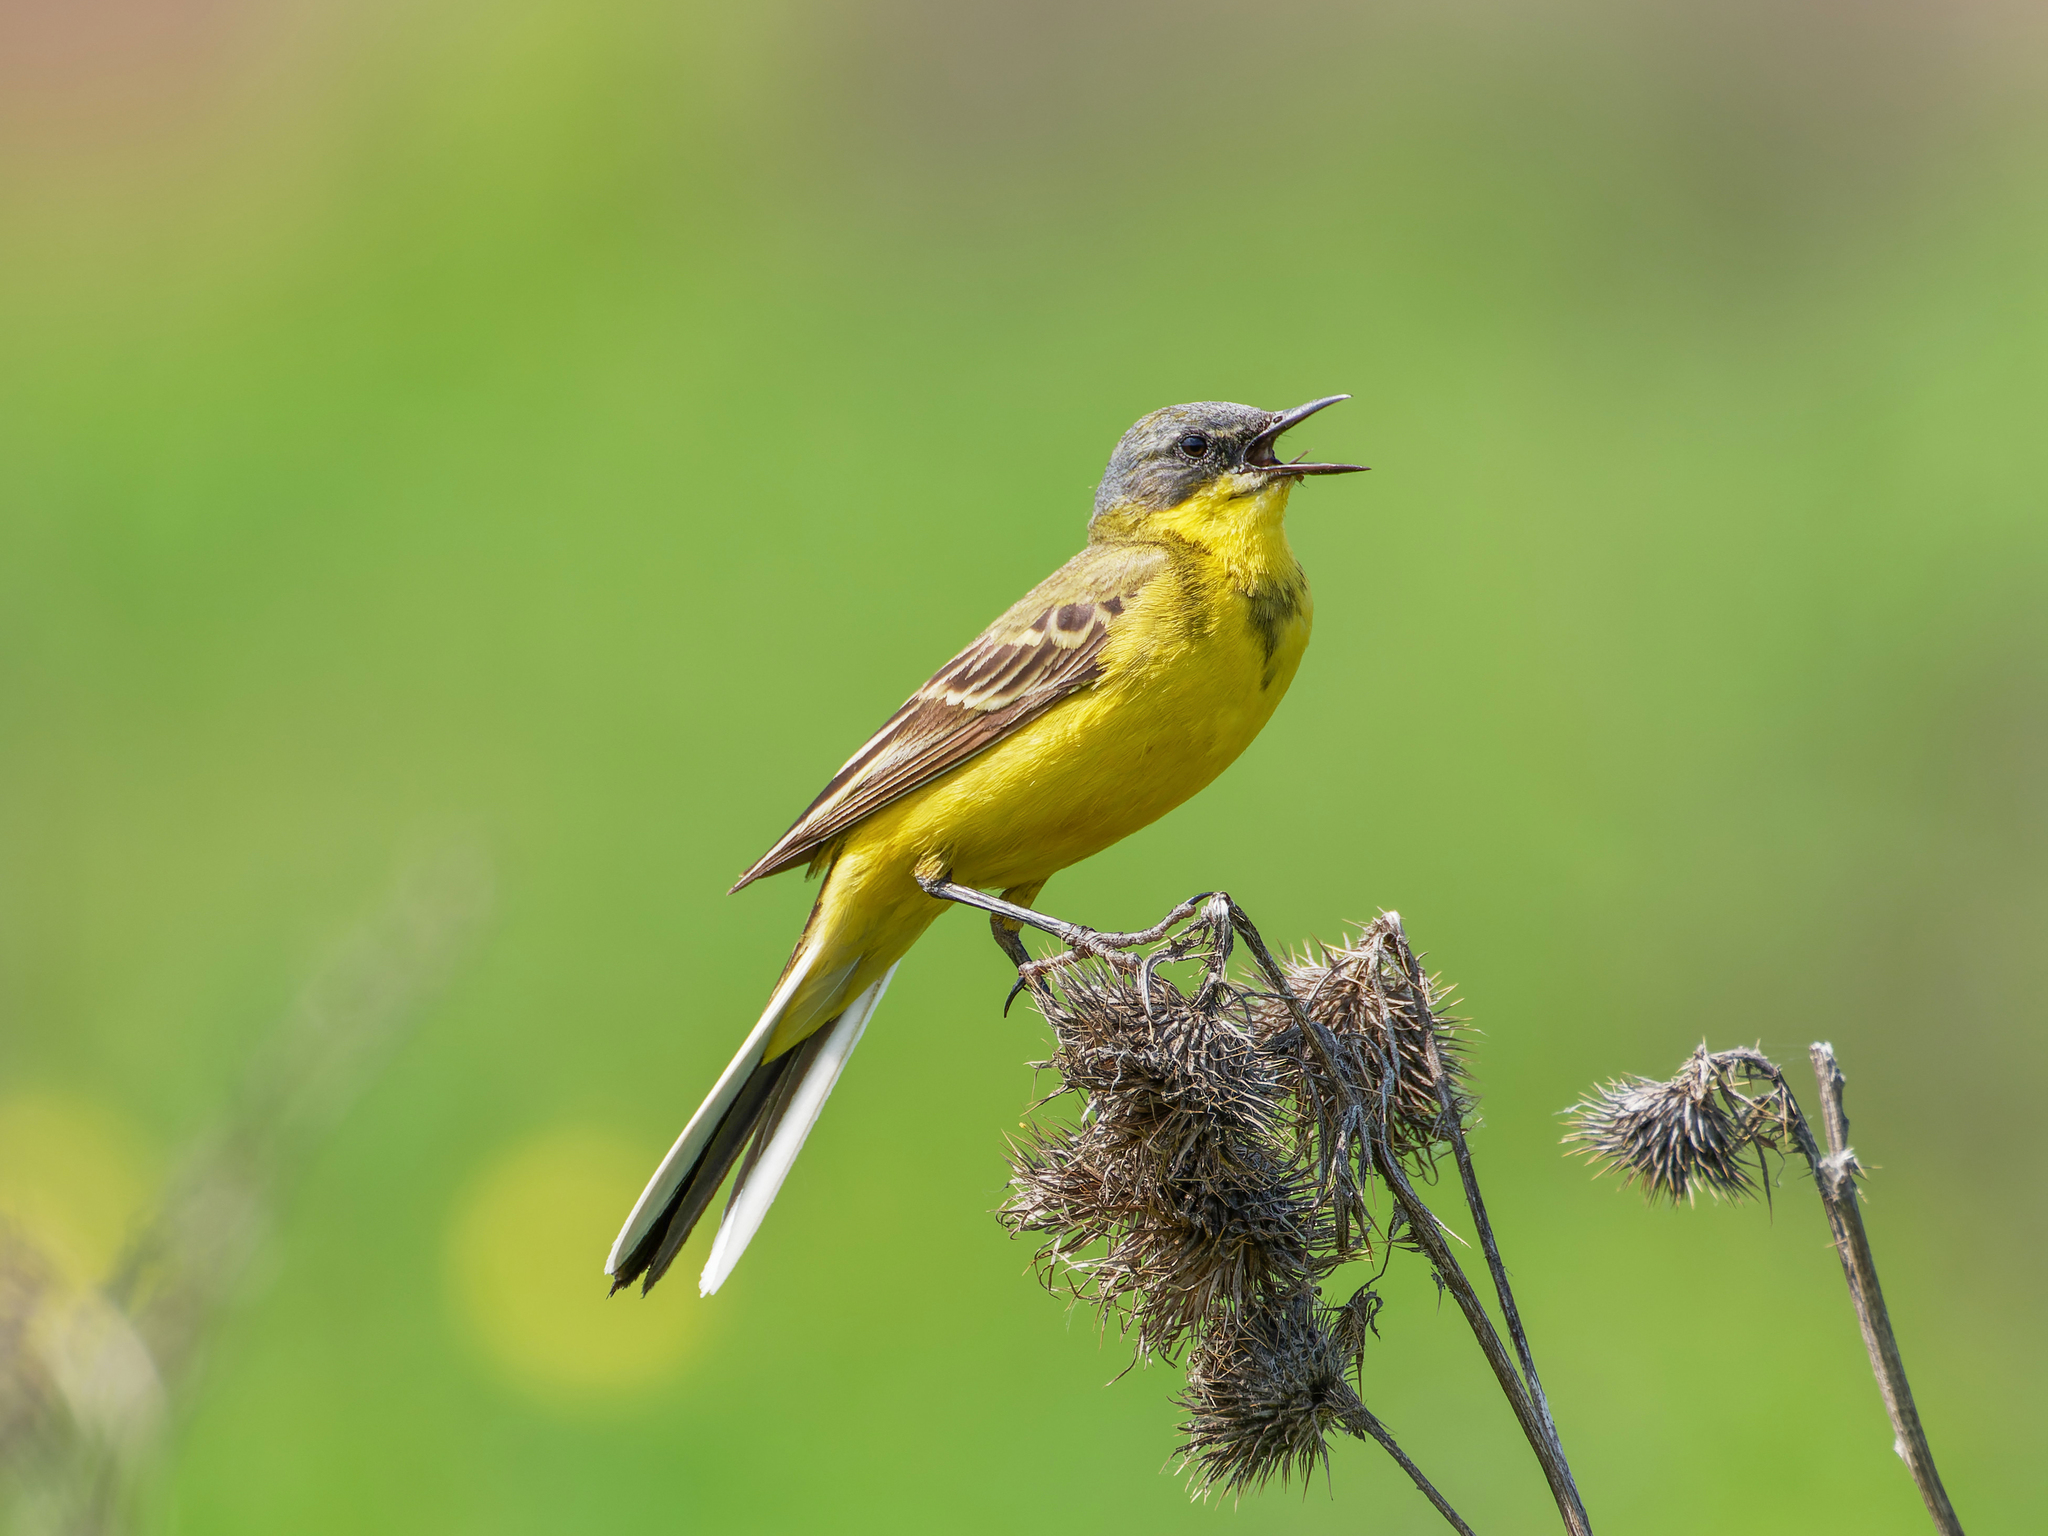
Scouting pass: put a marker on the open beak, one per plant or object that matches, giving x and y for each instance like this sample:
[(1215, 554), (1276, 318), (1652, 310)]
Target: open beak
[(1260, 454)]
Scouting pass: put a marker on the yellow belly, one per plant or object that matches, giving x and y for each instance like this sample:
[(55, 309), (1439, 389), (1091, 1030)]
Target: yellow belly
[(1171, 713), (1090, 772)]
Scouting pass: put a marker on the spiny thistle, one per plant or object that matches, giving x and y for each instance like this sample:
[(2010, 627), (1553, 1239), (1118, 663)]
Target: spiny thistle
[(1217, 1173), (1164, 1060), (1693, 1130), (1384, 1015), (1178, 1165), (1264, 1388)]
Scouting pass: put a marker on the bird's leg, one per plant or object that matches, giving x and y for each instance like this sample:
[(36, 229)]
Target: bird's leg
[(967, 896), (1081, 942), (1006, 928), (1005, 917)]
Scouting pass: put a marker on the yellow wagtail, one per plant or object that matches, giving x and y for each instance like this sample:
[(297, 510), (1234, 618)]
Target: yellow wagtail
[(1114, 690)]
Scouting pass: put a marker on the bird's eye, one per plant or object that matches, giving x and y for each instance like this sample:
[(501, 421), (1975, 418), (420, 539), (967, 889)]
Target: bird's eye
[(1194, 445)]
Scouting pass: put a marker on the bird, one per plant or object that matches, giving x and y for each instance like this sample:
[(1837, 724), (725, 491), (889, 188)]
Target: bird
[(1109, 693)]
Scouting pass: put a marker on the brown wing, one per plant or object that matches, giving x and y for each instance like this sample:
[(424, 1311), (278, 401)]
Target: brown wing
[(1045, 648)]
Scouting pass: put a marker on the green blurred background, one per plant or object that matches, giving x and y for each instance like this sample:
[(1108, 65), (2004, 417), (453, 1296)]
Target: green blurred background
[(570, 428)]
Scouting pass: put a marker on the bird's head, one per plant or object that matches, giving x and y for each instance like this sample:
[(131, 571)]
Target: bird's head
[(1206, 467)]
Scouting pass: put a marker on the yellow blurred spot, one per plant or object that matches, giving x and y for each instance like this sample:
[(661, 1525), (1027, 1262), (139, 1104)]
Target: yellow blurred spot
[(526, 1256), (72, 1180)]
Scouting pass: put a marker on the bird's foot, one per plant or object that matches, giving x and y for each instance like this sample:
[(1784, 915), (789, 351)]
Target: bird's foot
[(1211, 931)]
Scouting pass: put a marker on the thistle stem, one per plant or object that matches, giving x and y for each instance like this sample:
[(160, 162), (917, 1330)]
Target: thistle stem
[(1767, 1123), (1361, 1422), (1422, 1221), (1835, 1174), (1418, 991)]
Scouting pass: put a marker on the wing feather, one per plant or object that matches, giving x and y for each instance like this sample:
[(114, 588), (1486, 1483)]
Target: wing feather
[(1044, 649)]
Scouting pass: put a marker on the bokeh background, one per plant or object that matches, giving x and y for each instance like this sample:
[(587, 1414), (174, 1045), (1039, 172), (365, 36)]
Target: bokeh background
[(564, 430)]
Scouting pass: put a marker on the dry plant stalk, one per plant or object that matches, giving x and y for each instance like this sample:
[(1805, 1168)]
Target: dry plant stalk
[(1222, 1168), (91, 1380), (1693, 1131)]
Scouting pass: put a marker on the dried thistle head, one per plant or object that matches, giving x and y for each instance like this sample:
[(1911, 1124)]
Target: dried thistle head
[(1264, 1387), (1208, 1246), (1176, 1168), (1220, 1169), (1160, 1060), (1384, 1015), (1691, 1131)]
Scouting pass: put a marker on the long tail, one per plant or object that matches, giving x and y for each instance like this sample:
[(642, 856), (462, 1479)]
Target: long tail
[(763, 1109)]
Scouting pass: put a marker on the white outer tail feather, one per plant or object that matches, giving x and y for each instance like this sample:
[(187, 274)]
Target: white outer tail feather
[(764, 1181), (683, 1155)]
